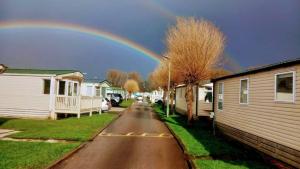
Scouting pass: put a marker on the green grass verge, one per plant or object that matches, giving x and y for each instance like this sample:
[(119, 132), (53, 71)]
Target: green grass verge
[(72, 129), (126, 103), (28, 155), (218, 164), (200, 142)]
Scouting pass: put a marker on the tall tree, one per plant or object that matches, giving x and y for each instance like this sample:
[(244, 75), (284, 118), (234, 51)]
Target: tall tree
[(135, 76), (116, 77), (131, 86), (160, 78), (194, 47), (216, 73)]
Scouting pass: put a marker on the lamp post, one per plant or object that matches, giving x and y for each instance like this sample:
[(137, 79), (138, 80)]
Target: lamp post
[(169, 82)]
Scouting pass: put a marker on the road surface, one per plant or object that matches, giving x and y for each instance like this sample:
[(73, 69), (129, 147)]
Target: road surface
[(137, 140)]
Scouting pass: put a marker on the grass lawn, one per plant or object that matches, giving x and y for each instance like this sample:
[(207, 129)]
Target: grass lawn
[(28, 155), (16, 155), (200, 142), (126, 103), (219, 164), (68, 129)]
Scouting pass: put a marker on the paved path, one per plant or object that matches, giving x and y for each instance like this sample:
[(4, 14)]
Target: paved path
[(137, 140), (5, 132)]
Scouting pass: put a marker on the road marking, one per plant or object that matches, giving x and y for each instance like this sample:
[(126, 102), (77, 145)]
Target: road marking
[(149, 135), (129, 134)]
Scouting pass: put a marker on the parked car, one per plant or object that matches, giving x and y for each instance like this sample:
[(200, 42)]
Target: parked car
[(106, 105), (115, 98)]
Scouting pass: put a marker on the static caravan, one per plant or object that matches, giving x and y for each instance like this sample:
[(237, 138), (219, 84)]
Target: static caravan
[(36, 93), (156, 95), (105, 88), (261, 108), (90, 88), (202, 105)]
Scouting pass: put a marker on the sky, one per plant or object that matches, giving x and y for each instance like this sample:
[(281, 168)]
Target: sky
[(258, 32)]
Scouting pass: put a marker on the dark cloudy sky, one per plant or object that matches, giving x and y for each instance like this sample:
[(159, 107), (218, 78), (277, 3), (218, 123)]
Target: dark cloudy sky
[(258, 31)]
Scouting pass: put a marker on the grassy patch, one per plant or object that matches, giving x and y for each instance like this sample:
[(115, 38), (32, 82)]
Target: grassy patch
[(218, 164), (200, 142), (126, 103), (28, 155), (69, 129)]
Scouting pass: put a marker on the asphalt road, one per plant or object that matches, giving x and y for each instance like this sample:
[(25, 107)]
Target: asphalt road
[(137, 140)]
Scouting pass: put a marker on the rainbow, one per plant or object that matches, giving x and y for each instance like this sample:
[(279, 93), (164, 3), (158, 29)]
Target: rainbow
[(80, 29)]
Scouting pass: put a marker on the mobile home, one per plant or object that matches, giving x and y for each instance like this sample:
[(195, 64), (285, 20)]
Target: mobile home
[(261, 108), (202, 105), (38, 93), (90, 88)]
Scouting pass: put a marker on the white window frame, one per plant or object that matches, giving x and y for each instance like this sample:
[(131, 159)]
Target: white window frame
[(294, 87), (43, 92), (222, 96), (77, 94), (247, 91), (66, 84), (70, 85)]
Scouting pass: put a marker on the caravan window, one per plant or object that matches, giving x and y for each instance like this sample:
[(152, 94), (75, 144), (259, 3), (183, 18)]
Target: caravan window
[(47, 86), (208, 95), (244, 91), (98, 91), (70, 84), (61, 88), (285, 86), (75, 89), (220, 96)]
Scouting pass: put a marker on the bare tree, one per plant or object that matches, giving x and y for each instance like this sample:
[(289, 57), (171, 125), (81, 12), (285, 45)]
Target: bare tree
[(194, 47), (131, 86), (217, 73), (153, 85), (160, 78), (116, 77), (135, 76)]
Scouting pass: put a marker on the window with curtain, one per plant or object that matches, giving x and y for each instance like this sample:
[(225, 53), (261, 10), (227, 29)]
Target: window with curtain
[(285, 87)]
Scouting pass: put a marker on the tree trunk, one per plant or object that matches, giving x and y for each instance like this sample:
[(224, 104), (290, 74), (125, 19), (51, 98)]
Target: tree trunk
[(189, 96), (172, 94), (164, 99)]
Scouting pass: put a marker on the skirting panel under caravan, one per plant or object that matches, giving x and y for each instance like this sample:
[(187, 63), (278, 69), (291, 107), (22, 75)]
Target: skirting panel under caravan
[(24, 113), (275, 150)]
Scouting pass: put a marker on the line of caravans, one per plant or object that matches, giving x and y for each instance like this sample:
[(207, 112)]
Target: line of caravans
[(39, 93), (258, 107)]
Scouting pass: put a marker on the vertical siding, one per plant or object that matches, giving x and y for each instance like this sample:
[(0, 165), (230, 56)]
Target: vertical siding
[(22, 96), (275, 121)]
